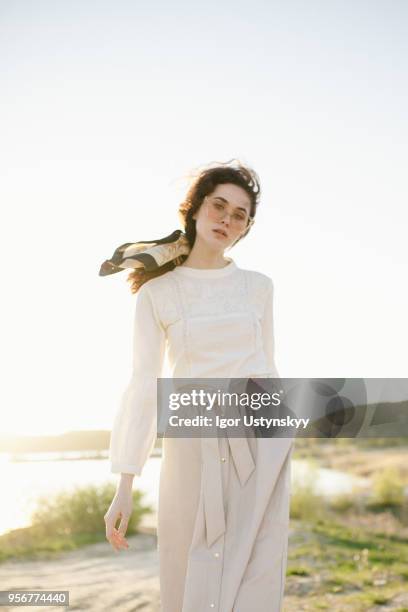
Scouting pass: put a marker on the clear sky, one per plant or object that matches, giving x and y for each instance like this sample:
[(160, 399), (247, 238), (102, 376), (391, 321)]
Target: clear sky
[(105, 107)]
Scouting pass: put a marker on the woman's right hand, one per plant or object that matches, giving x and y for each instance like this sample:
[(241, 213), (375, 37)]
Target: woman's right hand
[(121, 507)]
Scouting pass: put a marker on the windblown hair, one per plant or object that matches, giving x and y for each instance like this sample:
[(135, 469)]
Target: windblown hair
[(203, 184)]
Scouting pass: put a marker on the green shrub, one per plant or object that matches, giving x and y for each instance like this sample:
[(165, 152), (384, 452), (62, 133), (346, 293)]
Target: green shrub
[(388, 490), (67, 521), (82, 511), (305, 503), (342, 502)]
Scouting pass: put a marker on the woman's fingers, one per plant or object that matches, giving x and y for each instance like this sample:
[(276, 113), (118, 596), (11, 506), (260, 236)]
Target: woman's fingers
[(120, 537), (117, 539), (114, 536), (117, 543), (123, 525)]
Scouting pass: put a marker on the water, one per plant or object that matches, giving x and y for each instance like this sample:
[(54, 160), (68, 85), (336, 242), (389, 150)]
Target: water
[(23, 482), (325, 481)]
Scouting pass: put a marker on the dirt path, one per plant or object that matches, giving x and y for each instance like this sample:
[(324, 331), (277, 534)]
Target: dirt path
[(99, 578), (96, 576)]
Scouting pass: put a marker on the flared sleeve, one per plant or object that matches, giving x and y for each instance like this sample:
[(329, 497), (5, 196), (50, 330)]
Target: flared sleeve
[(268, 330), (134, 428)]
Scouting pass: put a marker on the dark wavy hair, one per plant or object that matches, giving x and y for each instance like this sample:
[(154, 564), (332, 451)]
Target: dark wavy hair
[(203, 184)]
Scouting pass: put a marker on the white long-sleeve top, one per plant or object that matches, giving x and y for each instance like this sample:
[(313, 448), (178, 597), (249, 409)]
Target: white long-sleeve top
[(214, 323)]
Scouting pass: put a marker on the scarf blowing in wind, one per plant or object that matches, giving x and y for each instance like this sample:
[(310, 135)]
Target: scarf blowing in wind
[(148, 254)]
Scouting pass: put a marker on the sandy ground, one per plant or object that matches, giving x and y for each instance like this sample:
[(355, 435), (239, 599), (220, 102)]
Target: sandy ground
[(96, 576), (99, 578)]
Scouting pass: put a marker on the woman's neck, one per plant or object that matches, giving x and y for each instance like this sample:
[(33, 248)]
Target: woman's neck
[(205, 259)]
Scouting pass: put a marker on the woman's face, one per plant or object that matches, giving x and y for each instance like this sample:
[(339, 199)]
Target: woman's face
[(212, 215)]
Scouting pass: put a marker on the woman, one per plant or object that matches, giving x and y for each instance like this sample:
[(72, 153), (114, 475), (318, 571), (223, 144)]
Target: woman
[(223, 503)]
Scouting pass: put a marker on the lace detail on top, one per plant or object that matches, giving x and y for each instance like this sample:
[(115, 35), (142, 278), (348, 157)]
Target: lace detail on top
[(214, 296)]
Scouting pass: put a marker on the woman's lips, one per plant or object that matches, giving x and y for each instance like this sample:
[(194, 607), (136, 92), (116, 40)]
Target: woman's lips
[(219, 233)]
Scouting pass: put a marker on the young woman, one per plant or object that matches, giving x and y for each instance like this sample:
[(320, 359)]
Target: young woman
[(223, 512)]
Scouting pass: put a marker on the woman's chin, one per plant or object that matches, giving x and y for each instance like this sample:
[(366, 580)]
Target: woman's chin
[(216, 244)]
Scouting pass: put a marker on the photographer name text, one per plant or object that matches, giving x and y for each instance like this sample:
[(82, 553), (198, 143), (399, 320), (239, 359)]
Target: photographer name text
[(246, 421)]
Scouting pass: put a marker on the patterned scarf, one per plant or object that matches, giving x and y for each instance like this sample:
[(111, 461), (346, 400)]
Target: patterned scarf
[(147, 254)]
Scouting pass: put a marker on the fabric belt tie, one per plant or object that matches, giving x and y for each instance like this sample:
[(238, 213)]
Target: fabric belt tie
[(214, 509)]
